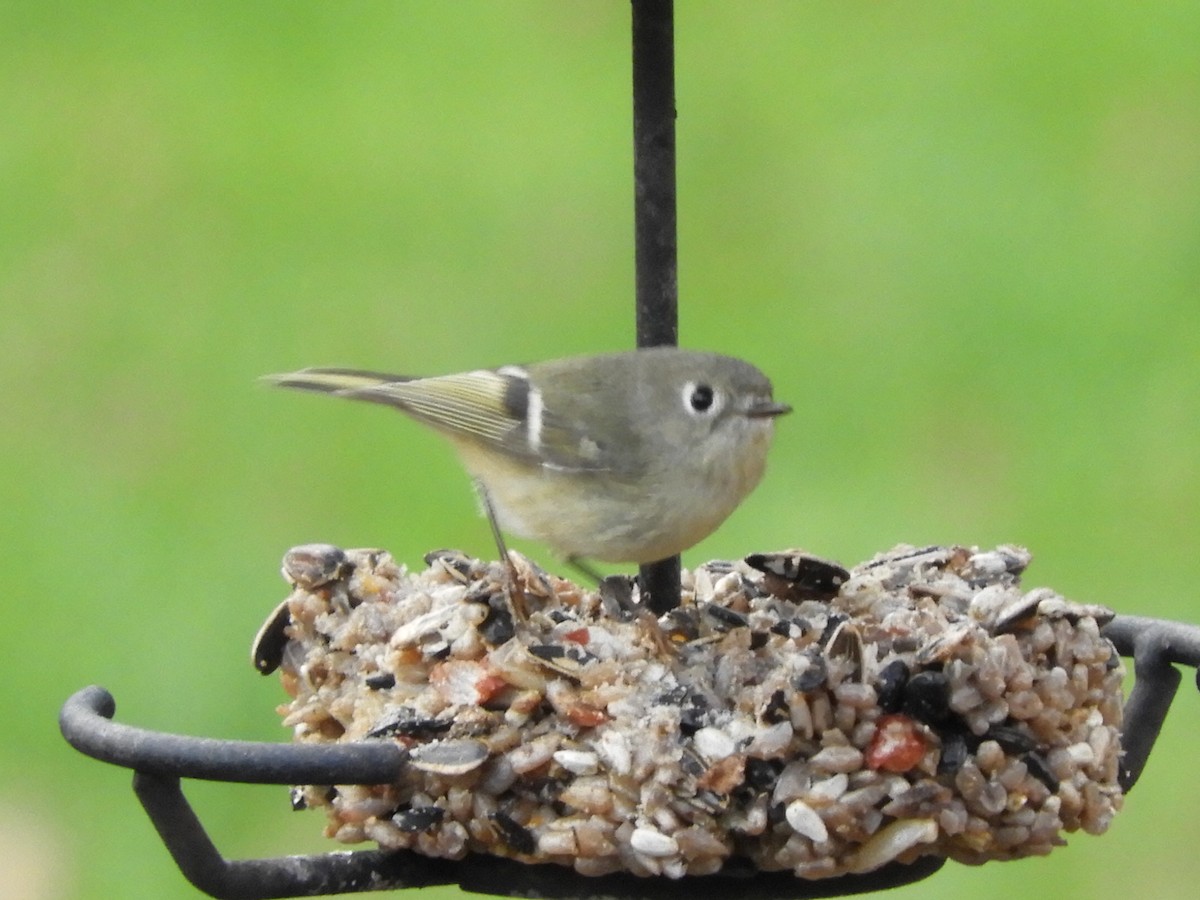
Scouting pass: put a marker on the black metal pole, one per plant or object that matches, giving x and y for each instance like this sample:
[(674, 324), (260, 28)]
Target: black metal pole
[(654, 218)]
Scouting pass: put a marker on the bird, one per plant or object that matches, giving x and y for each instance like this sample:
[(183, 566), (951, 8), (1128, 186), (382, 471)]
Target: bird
[(625, 457)]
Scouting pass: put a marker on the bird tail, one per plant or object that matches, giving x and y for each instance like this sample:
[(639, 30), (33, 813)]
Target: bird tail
[(353, 383)]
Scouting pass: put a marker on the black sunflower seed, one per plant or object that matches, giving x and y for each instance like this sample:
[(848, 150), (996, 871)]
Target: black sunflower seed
[(419, 818)]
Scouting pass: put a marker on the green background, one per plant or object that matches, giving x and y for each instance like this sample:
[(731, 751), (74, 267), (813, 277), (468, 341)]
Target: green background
[(961, 237)]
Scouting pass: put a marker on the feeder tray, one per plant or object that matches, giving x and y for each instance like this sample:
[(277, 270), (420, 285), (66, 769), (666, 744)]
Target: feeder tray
[(160, 760)]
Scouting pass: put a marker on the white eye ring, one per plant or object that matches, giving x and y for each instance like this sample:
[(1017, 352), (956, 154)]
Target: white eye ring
[(700, 399)]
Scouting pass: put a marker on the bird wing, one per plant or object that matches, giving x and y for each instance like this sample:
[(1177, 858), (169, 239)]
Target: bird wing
[(497, 408)]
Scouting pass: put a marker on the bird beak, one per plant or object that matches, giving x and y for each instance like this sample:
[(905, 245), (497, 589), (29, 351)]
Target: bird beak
[(767, 409)]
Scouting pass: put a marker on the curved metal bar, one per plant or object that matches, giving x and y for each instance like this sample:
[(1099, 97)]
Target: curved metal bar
[(1177, 642), (1155, 645), (375, 870), (85, 723), (287, 876)]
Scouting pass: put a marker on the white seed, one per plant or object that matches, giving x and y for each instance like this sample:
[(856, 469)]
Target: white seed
[(772, 741), (828, 790), (890, 841), (535, 753), (454, 757), (793, 781), (804, 820), (580, 762), (411, 632), (837, 759), (713, 744), (613, 748), (653, 842), (558, 842), (1082, 753), (989, 563), (589, 794)]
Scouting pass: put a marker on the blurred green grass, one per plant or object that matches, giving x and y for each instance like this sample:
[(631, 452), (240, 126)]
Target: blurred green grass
[(961, 238)]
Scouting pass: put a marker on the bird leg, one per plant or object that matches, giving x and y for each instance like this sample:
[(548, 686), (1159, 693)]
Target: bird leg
[(577, 563), (516, 594)]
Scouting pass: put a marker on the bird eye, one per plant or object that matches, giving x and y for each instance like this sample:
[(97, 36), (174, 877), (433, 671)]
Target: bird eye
[(699, 397)]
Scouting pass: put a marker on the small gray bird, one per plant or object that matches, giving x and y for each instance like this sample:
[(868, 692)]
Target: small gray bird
[(621, 457)]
